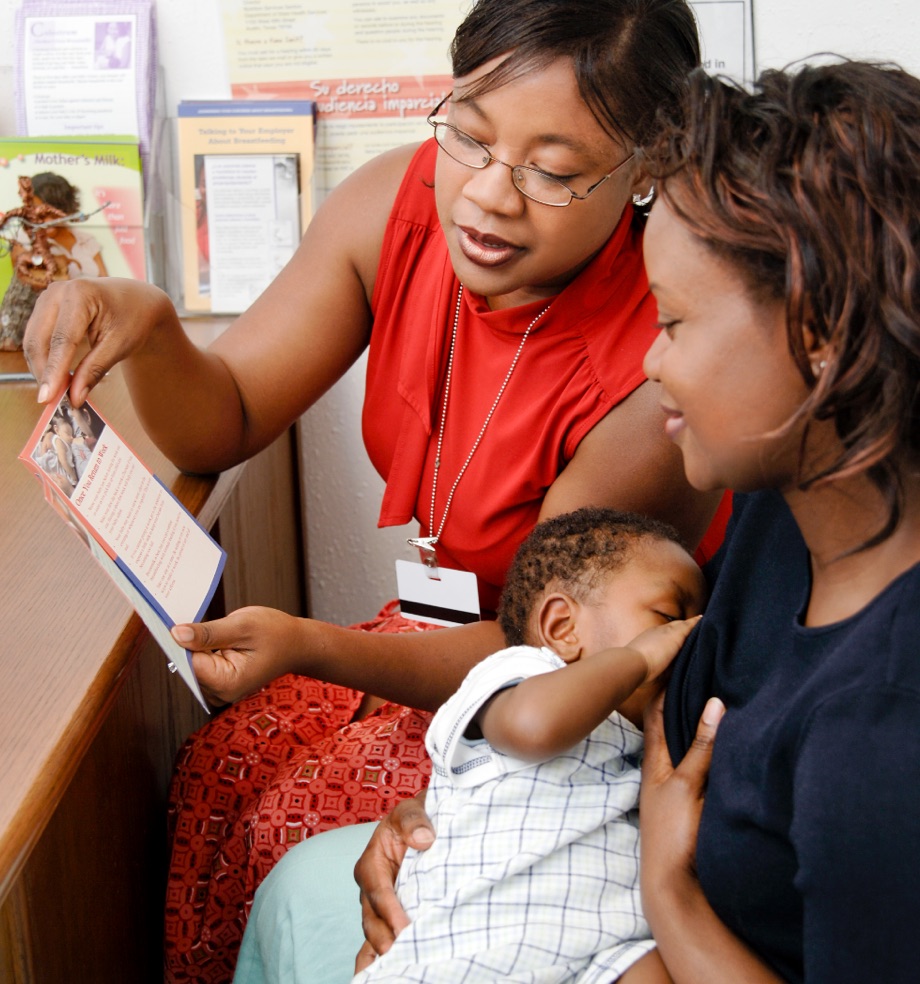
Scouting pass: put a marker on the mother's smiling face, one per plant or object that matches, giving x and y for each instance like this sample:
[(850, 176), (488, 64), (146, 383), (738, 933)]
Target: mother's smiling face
[(729, 383)]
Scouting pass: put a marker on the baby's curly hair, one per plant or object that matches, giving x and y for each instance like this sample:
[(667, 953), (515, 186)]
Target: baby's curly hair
[(573, 552)]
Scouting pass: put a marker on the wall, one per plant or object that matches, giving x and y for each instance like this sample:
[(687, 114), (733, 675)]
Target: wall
[(351, 561)]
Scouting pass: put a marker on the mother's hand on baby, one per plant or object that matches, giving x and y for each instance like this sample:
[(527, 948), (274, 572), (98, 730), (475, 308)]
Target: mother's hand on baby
[(236, 655), (671, 802), (382, 916)]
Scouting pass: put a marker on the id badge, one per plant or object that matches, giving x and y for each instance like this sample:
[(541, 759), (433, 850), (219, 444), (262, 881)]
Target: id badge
[(453, 599)]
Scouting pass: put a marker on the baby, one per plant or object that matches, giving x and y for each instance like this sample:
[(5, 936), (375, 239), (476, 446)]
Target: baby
[(534, 871)]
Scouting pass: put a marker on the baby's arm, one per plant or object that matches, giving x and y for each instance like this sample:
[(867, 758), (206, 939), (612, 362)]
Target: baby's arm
[(550, 713)]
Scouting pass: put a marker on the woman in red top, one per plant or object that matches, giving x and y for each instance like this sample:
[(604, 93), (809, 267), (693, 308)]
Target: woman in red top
[(525, 199)]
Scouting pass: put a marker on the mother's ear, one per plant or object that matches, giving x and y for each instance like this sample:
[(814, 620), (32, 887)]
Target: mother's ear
[(817, 351), (557, 626)]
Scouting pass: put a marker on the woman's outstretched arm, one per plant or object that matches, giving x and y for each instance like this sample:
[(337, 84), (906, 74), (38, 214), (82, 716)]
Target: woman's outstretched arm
[(235, 655)]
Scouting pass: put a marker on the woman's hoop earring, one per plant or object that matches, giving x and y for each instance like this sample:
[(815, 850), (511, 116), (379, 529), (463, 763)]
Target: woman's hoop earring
[(639, 200)]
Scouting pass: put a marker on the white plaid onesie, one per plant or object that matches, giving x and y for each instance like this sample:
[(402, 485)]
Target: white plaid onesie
[(534, 875)]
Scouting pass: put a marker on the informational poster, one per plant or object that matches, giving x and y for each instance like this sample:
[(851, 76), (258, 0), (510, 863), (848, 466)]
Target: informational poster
[(277, 40), (376, 68)]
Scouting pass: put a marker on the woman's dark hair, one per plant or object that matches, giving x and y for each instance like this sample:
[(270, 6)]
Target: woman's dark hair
[(809, 186), (574, 552), (56, 191), (631, 57)]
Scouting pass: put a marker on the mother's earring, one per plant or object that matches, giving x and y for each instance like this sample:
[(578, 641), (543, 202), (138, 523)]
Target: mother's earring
[(818, 367), (639, 200)]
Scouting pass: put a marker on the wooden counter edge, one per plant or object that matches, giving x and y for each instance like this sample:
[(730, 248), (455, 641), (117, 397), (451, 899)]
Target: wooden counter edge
[(204, 497)]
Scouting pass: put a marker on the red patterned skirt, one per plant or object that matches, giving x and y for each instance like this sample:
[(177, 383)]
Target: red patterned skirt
[(267, 772)]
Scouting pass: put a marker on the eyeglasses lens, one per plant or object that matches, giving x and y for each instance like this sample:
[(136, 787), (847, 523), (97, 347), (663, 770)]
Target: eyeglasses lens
[(529, 182)]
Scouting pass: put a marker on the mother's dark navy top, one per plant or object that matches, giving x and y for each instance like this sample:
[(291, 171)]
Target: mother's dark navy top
[(809, 844)]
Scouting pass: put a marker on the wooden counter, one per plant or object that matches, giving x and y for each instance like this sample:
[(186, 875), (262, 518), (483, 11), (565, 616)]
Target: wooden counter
[(90, 718)]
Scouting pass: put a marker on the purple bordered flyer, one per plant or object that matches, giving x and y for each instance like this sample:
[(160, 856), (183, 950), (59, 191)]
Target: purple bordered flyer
[(86, 68), (154, 550)]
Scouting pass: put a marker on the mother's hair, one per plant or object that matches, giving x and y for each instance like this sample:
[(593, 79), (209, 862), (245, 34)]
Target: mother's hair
[(809, 186), (631, 57)]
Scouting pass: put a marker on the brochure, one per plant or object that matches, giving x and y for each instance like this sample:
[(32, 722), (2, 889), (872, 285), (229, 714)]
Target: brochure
[(106, 175), (245, 182), (85, 67), (154, 550)]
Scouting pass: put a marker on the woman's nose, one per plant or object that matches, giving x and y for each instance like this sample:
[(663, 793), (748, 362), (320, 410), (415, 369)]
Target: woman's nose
[(492, 189)]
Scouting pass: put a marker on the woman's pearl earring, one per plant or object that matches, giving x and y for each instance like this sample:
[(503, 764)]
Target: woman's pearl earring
[(818, 367)]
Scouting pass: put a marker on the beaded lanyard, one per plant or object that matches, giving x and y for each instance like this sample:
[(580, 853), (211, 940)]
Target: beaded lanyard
[(426, 544)]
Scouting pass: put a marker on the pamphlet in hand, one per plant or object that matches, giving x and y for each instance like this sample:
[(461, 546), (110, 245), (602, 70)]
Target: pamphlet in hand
[(150, 545)]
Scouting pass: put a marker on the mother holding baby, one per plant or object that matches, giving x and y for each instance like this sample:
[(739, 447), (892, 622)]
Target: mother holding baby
[(780, 809)]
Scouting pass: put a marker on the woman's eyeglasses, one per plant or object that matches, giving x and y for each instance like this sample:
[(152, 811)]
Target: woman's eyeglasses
[(531, 182)]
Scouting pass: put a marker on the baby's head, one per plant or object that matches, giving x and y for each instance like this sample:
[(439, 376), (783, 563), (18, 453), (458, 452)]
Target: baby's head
[(595, 578)]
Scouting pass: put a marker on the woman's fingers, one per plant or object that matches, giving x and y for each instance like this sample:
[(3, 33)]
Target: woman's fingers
[(61, 320), (695, 764), (241, 630), (412, 824), (114, 315), (204, 636), (235, 655), (220, 678), (656, 760), (382, 915), (671, 801), (365, 958)]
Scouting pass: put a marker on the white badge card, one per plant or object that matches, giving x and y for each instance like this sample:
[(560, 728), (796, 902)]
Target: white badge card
[(451, 600)]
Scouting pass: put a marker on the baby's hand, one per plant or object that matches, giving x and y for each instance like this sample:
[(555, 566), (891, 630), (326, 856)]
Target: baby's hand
[(659, 645)]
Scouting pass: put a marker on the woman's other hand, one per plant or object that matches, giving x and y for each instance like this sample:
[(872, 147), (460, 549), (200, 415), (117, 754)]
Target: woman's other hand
[(671, 800), (116, 316), (382, 916), (236, 655), (694, 944)]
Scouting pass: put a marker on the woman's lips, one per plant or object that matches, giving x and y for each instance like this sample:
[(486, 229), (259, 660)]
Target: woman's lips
[(674, 422), (484, 249)]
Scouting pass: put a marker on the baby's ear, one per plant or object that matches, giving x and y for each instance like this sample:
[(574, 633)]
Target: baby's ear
[(557, 626)]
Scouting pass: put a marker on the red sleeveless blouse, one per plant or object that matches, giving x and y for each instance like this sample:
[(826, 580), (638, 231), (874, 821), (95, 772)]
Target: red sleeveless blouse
[(583, 357)]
